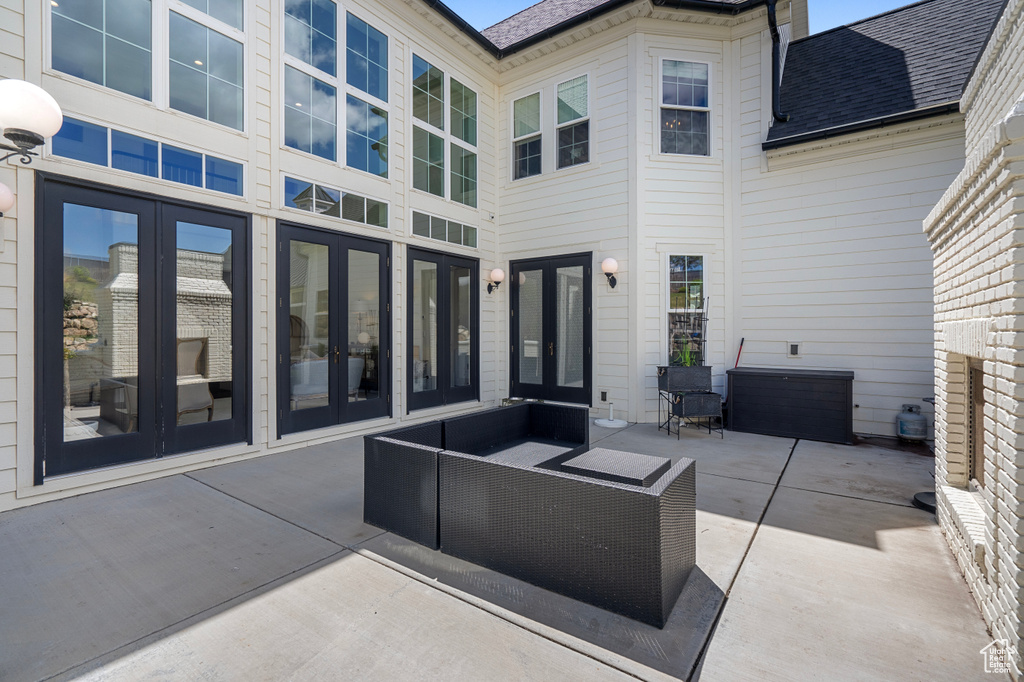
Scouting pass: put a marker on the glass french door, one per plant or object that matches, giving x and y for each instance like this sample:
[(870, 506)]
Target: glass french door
[(443, 303), (334, 338), (551, 328), (142, 328)]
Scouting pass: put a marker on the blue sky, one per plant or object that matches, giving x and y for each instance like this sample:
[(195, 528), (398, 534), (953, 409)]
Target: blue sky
[(825, 14)]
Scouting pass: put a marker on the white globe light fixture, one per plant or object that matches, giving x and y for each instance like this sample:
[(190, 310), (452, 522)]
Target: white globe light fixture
[(609, 266), (28, 116), (497, 277), (6, 199)]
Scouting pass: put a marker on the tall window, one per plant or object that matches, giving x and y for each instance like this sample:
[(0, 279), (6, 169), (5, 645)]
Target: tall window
[(687, 310), (108, 42), (685, 108), (367, 137), (228, 11), (310, 114), (310, 33), (526, 137), (205, 72), (439, 129), (367, 63), (573, 123)]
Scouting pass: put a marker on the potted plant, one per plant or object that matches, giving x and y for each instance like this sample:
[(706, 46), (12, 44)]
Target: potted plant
[(685, 371)]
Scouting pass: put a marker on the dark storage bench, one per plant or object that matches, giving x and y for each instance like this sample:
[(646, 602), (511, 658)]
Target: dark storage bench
[(811, 404)]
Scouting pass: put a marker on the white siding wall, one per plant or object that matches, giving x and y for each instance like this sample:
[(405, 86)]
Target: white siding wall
[(581, 208), (833, 257), (410, 28)]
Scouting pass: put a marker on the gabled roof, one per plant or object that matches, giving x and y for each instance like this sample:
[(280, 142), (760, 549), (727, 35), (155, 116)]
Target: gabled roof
[(909, 63)]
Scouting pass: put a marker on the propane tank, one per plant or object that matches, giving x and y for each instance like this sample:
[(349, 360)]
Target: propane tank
[(911, 424)]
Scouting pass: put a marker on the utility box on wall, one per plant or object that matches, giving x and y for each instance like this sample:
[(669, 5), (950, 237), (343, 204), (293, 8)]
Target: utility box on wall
[(811, 404)]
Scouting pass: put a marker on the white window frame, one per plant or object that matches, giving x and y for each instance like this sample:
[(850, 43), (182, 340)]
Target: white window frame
[(218, 26), (538, 133), (666, 261), (342, 89), (446, 135), (430, 242), (283, 175), (161, 141), (575, 121), (660, 106)]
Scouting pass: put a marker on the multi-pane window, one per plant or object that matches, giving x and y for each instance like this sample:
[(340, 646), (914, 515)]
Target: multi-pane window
[(526, 137), (316, 198), (687, 310), (313, 86), (310, 114), (367, 58), (463, 112), (685, 108), (430, 139), (205, 72), (427, 92), (228, 11), (102, 146), (433, 227), (310, 33), (573, 123), (108, 42), (367, 137), (427, 162)]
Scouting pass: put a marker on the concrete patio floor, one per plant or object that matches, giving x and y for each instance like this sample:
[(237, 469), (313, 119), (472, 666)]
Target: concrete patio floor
[(811, 564)]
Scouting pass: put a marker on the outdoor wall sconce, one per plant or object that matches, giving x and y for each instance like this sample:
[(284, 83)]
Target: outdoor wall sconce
[(609, 266), (497, 277), (28, 116)]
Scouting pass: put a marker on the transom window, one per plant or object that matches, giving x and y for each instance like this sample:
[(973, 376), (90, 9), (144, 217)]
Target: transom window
[(313, 82), (526, 137), (433, 135), (685, 108), (573, 123)]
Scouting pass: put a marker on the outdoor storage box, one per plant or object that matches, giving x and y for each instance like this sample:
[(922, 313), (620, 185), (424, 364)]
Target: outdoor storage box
[(811, 404)]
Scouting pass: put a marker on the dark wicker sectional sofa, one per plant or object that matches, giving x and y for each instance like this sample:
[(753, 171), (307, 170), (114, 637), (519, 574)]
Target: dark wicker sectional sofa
[(490, 488)]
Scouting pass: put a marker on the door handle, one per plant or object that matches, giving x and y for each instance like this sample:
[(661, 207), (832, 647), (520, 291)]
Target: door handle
[(551, 348), (337, 355)]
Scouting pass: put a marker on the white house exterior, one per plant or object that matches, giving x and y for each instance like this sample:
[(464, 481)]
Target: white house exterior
[(354, 170)]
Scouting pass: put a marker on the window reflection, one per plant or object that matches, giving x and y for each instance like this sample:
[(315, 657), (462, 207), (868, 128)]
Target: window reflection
[(309, 324), (101, 322), (424, 326), (462, 328), (203, 316), (367, 141), (363, 325)]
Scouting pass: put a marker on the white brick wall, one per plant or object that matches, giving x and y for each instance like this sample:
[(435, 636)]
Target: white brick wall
[(976, 232)]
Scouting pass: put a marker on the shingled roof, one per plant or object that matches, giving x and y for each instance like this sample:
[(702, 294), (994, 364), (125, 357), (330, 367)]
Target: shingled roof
[(908, 63), (537, 20)]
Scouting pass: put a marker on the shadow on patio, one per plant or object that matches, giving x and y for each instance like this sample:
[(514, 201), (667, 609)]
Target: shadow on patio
[(263, 569)]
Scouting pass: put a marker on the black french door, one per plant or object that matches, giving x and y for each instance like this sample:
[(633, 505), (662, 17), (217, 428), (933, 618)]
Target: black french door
[(443, 305), (142, 327), (551, 336), (334, 328)]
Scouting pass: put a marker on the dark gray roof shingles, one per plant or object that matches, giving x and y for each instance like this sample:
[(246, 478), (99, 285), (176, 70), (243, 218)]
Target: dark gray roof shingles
[(909, 59), (537, 19)]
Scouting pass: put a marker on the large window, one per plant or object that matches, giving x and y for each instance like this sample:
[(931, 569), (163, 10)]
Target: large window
[(205, 72), (687, 310), (526, 137), (313, 86), (685, 108), (573, 123), (108, 42), (444, 300), (438, 129), (334, 328), (142, 328)]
